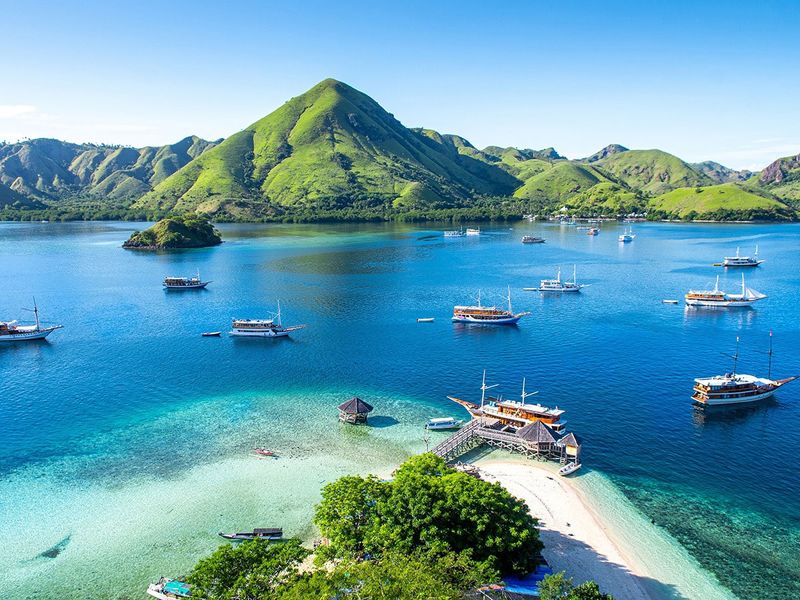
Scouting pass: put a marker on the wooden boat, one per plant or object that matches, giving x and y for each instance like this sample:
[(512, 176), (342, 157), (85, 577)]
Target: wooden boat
[(272, 534), (264, 452), (10, 331), (169, 589), (185, 283), (487, 315), (262, 327), (425, 320), (718, 298), (569, 468), (742, 261), (211, 333), (557, 285)]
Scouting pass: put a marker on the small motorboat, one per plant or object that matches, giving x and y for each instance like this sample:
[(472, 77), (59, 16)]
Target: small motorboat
[(211, 333), (668, 301), (569, 468), (443, 423), (425, 320), (265, 452), (169, 589), (270, 533), (530, 239), (593, 231)]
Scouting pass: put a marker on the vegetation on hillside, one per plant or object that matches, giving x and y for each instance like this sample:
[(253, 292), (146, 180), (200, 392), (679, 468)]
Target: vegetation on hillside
[(651, 171), (724, 202), (187, 231)]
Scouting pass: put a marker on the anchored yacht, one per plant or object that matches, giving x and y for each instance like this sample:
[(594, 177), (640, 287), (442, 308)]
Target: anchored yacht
[(742, 261), (718, 298), (262, 327), (557, 285), (10, 331), (487, 315)]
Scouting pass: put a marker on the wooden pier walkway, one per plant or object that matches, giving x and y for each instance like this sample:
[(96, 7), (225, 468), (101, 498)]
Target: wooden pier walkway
[(535, 441)]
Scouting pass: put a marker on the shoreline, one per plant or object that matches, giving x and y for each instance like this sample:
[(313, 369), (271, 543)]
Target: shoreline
[(609, 541)]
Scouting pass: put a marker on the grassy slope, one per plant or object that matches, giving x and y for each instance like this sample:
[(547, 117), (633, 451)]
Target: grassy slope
[(704, 202), (652, 171), (561, 182), (330, 148), (606, 199)]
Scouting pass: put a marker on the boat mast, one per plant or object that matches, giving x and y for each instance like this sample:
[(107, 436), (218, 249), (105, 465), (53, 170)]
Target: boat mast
[(509, 300), (36, 313), (716, 285), (756, 255), (524, 394), (769, 369), (485, 387), (279, 314), (744, 290), (575, 274), (736, 356)]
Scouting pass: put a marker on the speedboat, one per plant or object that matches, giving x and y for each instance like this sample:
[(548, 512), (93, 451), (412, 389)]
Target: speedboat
[(530, 239), (718, 298), (211, 333), (569, 468), (272, 534), (742, 261), (443, 423), (10, 331), (169, 589)]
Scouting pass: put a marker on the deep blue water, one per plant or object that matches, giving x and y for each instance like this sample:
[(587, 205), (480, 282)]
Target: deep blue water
[(725, 484)]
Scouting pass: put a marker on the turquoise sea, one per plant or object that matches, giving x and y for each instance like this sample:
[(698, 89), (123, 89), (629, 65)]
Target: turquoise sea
[(125, 438)]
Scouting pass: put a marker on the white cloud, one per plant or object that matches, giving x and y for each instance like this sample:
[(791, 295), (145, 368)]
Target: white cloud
[(16, 111)]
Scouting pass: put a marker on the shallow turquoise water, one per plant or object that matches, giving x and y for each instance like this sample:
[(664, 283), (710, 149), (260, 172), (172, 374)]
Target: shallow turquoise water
[(127, 434)]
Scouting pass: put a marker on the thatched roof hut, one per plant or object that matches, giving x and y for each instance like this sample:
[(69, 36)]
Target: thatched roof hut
[(538, 433), (354, 411)]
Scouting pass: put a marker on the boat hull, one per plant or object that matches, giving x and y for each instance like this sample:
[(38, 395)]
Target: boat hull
[(260, 334), (500, 321), (735, 400), (28, 335), (198, 286), (718, 304)]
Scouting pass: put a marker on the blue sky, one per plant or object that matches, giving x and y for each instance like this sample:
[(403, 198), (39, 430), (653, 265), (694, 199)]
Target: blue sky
[(703, 80)]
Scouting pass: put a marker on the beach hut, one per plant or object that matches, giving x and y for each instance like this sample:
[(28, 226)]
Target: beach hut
[(354, 411), (572, 447), (539, 438)]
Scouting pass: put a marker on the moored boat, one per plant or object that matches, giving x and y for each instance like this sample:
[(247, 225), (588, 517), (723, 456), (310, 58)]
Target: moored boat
[(11, 331), (627, 236), (718, 298), (211, 333), (487, 315), (473, 231), (593, 231), (443, 423), (454, 233), (264, 533), (262, 327), (557, 285), (185, 283), (530, 239), (742, 261), (425, 320), (169, 589), (569, 468)]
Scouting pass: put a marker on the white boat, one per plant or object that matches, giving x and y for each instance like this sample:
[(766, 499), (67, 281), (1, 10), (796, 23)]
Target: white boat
[(273, 534), (569, 468), (10, 331), (593, 231), (425, 320), (473, 231), (264, 328), (668, 301), (169, 589), (583, 228), (487, 315), (742, 261), (443, 423), (736, 388), (718, 298), (627, 236), (557, 285), (454, 233), (530, 239), (185, 283)]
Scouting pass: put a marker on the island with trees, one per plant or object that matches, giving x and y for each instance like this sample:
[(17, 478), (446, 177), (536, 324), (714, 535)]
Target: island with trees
[(185, 231)]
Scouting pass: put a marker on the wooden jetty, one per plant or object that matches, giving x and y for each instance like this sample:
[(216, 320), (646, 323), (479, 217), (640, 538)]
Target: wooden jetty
[(536, 440)]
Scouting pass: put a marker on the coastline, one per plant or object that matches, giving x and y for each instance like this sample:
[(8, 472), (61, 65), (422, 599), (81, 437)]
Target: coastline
[(592, 532)]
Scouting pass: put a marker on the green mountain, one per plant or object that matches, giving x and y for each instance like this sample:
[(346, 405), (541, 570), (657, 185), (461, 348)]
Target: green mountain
[(724, 202), (330, 149), (605, 152), (47, 171), (720, 173), (652, 171), (560, 182), (781, 178)]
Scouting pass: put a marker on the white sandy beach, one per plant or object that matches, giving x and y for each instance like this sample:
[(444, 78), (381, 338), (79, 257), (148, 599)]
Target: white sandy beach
[(632, 565)]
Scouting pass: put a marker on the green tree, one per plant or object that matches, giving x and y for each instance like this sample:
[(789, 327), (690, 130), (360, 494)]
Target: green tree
[(251, 571), (559, 587)]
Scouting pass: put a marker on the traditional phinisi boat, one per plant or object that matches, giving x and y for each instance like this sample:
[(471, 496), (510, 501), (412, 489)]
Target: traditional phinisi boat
[(272, 534), (169, 589), (557, 285), (262, 327), (718, 298), (736, 388), (185, 283), (627, 236), (487, 315), (10, 331), (742, 261), (513, 413)]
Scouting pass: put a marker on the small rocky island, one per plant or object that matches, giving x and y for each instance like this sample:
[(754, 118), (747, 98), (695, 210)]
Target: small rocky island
[(188, 231)]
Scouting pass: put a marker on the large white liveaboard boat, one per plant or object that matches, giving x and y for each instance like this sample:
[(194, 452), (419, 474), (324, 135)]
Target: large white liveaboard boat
[(718, 298), (557, 285), (736, 388), (487, 315), (742, 261), (513, 413), (185, 283), (262, 327), (10, 331)]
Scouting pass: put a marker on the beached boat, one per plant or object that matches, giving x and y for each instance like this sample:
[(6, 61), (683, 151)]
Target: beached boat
[(627, 236), (742, 261), (272, 534), (443, 423), (569, 468), (185, 283), (487, 315), (530, 239), (717, 298), (736, 388), (473, 231), (593, 231), (264, 452), (262, 327), (454, 233), (513, 413), (169, 589), (11, 331), (557, 285)]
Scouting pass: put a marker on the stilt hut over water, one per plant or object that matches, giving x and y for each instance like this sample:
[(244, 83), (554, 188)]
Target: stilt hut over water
[(354, 411)]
